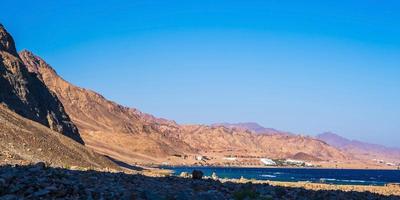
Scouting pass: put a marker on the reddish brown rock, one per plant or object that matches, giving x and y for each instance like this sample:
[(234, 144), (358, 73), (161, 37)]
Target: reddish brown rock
[(26, 95)]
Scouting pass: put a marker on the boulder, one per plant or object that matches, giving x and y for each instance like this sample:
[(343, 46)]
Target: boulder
[(197, 174), (214, 176), (184, 175)]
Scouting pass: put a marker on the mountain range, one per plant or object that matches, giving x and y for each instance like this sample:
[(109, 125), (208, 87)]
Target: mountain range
[(251, 126), (360, 149), (47, 118), (132, 136)]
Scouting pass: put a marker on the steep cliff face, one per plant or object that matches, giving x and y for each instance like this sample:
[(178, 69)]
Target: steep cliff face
[(23, 93)]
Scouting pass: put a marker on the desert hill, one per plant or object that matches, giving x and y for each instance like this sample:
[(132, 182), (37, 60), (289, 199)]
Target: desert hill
[(23, 93), (135, 137), (234, 142), (26, 141), (121, 132), (33, 124)]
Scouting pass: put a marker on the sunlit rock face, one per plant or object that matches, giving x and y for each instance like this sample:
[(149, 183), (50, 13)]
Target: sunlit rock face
[(23, 93)]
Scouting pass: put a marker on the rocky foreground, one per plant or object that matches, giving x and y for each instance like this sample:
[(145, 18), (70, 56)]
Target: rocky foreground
[(41, 182)]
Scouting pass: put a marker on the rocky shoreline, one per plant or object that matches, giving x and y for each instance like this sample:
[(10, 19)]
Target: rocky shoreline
[(386, 190), (42, 182)]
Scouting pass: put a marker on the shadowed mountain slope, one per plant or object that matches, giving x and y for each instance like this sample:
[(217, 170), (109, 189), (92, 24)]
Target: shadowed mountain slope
[(23, 93), (26, 141)]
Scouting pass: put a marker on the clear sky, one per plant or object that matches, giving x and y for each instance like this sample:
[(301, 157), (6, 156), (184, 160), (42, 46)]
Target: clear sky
[(300, 66)]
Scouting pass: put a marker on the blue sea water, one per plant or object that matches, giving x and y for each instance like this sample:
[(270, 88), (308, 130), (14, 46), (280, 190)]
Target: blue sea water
[(331, 176)]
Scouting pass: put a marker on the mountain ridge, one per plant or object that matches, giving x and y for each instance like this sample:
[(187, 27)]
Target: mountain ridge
[(251, 126), (34, 126), (105, 125), (361, 149), (127, 133), (26, 95)]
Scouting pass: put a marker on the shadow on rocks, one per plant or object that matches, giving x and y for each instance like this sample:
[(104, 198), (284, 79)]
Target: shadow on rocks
[(42, 182)]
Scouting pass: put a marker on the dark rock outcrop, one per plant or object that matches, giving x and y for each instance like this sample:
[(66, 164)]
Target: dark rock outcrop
[(197, 174), (23, 93)]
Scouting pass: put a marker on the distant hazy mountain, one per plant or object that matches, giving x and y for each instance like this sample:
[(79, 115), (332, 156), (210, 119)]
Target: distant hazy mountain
[(250, 126), (361, 149)]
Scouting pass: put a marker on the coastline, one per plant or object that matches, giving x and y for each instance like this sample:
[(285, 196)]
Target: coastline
[(270, 167), (41, 181), (388, 189), (382, 190)]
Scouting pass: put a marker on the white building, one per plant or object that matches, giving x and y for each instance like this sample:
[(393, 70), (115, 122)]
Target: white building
[(294, 162), (267, 161), (230, 158)]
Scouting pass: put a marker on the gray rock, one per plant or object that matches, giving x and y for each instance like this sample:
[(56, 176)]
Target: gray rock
[(41, 193), (214, 176), (2, 182), (186, 194), (211, 195), (150, 195), (9, 197), (197, 174), (184, 175)]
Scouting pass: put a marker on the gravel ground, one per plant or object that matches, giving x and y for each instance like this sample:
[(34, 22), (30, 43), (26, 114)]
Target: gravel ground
[(41, 182)]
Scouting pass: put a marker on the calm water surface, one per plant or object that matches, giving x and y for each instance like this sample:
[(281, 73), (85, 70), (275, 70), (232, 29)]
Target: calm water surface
[(332, 176)]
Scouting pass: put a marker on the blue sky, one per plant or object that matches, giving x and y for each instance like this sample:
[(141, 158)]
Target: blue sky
[(305, 67)]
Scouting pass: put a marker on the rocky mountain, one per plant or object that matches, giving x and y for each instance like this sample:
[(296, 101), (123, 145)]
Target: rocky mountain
[(23, 93), (135, 137), (251, 126), (121, 132), (361, 149), (34, 126), (235, 142), (23, 141)]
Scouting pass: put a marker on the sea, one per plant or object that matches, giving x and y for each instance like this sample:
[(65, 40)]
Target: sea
[(314, 175)]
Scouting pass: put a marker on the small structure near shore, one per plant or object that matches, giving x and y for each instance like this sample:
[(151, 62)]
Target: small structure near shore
[(294, 162), (199, 158), (268, 162)]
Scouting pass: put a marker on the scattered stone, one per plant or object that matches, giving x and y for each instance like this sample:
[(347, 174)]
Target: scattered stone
[(41, 193), (37, 167), (9, 197), (40, 165), (214, 176), (197, 174), (21, 182), (2, 182), (184, 175)]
